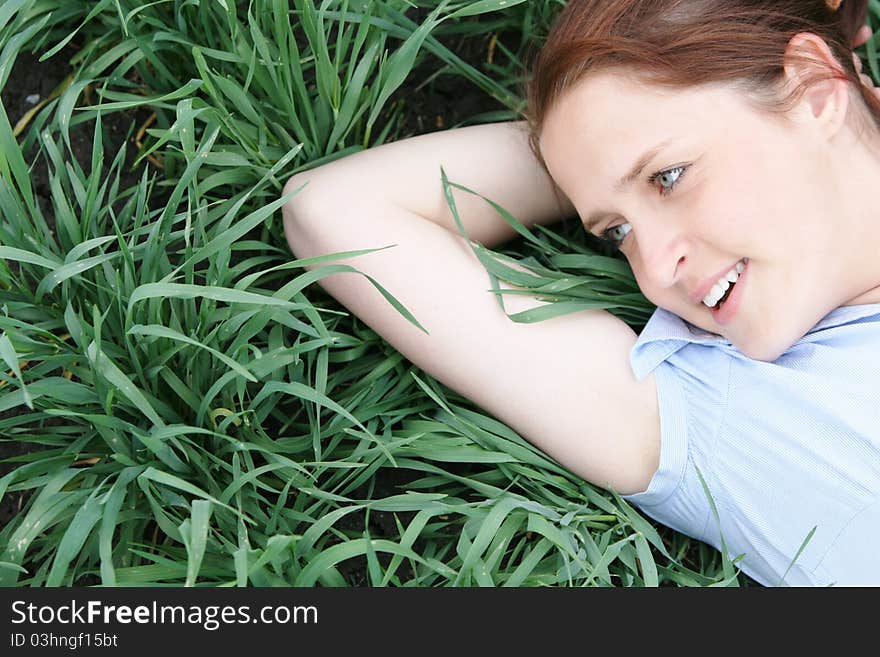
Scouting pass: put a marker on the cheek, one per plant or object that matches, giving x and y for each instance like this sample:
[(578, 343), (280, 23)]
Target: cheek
[(753, 175), (741, 205), (652, 293), (772, 188)]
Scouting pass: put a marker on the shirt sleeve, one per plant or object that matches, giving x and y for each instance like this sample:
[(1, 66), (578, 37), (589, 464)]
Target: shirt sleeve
[(691, 370), (673, 439)]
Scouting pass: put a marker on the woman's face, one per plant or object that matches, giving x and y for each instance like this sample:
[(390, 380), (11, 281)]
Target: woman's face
[(695, 183)]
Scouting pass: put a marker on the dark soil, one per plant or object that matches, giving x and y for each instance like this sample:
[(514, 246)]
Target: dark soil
[(30, 82), (434, 100)]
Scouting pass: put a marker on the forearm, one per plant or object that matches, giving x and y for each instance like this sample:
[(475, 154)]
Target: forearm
[(494, 160)]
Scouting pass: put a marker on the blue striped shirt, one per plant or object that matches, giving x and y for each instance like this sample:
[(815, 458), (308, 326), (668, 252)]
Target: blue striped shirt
[(783, 448)]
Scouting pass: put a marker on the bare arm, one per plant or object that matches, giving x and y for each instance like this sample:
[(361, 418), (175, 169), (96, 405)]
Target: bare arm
[(492, 159), (564, 384)]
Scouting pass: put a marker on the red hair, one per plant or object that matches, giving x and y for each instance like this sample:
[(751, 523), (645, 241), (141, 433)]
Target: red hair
[(682, 43)]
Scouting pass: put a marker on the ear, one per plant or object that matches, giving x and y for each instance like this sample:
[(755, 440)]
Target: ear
[(809, 63)]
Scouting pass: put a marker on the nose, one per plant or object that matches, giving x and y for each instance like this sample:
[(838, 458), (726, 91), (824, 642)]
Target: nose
[(665, 250)]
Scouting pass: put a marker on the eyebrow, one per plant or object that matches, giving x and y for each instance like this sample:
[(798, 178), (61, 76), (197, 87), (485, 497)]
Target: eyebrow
[(626, 181)]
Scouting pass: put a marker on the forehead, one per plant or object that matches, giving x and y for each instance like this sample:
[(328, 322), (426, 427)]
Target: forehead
[(608, 120)]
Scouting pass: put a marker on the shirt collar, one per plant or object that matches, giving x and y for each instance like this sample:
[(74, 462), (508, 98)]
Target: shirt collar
[(666, 333)]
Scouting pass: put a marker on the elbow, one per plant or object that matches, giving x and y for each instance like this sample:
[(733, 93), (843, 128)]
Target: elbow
[(294, 183), (293, 211), (293, 188), (304, 214)]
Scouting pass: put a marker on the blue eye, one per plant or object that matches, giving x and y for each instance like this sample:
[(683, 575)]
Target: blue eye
[(667, 179), (616, 234)]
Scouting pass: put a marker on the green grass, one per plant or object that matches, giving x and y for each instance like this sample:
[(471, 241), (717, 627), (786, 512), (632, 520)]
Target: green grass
[(201, 412)]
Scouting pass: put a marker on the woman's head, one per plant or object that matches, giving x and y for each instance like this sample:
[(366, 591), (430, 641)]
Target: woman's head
[(684, 43), (705, 133)]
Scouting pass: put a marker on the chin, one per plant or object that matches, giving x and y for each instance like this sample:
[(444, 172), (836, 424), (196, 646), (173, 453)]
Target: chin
[(766, 353), (765, 347), (784, 333)]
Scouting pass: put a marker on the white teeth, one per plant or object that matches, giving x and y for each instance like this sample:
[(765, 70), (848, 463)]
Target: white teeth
[(714, 295)]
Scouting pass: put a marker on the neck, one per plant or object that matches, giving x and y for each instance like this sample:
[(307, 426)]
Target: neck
[(860, 175)]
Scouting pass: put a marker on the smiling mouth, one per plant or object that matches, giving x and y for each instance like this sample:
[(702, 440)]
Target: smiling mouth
[(723, 288)]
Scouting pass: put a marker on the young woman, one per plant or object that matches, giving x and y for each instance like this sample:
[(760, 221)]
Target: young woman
[(727, 148)]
